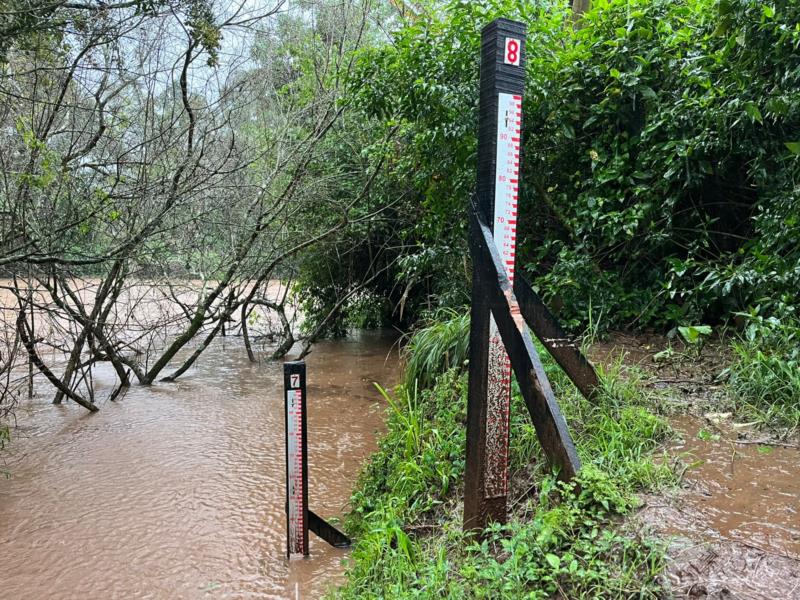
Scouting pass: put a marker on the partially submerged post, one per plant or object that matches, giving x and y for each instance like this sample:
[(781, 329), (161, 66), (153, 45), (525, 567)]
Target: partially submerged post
[(299, 518), (499, 338)]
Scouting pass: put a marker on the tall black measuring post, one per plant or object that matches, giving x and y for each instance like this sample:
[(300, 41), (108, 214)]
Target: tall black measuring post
[(299, 518), (502, 80), (505, 307)]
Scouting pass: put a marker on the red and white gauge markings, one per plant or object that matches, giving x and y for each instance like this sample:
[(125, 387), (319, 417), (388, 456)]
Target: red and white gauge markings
[(294, 465), (506, 199)]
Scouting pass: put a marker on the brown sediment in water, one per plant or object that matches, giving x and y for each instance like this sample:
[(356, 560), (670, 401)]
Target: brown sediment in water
[(177, 490), (746, 492), (733, 529)]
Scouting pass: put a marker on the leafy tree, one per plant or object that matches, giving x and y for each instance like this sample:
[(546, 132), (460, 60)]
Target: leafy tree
[(660, 155)]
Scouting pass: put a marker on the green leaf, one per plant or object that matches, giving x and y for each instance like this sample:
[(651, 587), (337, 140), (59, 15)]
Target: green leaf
[(794, 147), (693, 333), (753, 111), (553, 560), (707, 436), (648, 92)]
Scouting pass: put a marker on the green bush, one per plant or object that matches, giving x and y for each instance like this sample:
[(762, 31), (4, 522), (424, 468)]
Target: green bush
[(764, 379), (568, 547), (661, 155)]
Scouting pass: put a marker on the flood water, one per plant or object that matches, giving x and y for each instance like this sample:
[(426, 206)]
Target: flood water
[(734, 527), (177, 490), (742, 492)]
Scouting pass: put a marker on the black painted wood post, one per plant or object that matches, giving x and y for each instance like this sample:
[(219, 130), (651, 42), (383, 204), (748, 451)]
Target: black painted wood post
[(299, 518), (294, 384), (502, 80)]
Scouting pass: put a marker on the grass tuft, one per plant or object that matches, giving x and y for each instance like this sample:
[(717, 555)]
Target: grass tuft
[(764, 379), (439, 346)]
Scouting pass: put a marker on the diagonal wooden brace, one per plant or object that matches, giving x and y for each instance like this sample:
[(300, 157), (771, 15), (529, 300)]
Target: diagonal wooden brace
[(562, 347), (551, 428), (326, 531)]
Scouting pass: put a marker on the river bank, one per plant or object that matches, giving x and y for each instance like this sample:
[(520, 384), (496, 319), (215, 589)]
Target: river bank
[(674, 501)]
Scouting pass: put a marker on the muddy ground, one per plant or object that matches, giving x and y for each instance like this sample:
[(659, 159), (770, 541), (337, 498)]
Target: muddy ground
[(733, 527)]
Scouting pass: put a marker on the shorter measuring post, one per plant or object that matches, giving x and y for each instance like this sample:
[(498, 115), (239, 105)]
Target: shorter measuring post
[(294, 382), (299, 518)]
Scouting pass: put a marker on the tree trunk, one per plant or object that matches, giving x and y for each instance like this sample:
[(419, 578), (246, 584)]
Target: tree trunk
[(579, 7), (30, 347), (246, 333), (196, 354)]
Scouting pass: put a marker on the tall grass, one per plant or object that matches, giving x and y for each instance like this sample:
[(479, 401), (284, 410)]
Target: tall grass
[(764, 378), (407, 508), (442, 344)]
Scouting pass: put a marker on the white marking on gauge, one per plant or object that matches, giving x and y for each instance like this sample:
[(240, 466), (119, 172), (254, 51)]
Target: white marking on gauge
[(294, 458), (506, 199)]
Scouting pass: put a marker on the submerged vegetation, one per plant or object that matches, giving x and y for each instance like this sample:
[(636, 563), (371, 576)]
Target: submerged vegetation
[(570, 539)]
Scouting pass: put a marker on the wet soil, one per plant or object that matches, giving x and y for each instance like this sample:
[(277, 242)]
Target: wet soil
[(733, 527)]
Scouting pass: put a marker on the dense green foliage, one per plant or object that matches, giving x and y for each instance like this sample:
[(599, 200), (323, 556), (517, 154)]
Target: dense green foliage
[(661, 145), (407, 515)]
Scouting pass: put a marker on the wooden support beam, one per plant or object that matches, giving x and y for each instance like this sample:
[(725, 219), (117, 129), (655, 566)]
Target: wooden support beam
[(477, 512), (326, 531), (551, 428), (563, 348)]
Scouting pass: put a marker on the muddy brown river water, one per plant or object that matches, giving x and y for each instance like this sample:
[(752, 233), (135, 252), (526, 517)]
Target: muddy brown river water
[(177, 491), (734, 527), (742, 492)]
